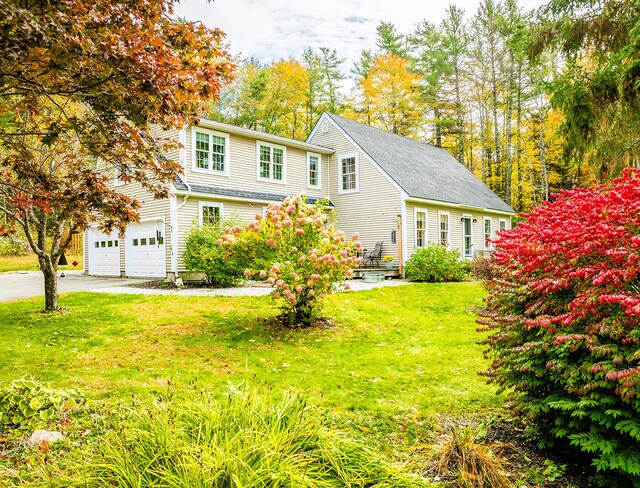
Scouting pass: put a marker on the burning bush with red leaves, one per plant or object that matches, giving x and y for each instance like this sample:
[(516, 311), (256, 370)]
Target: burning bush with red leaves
[(297, 251), (564, 313)]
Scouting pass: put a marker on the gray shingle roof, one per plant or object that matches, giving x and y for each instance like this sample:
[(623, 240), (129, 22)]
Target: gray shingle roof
[(232, 192), (421, 170)]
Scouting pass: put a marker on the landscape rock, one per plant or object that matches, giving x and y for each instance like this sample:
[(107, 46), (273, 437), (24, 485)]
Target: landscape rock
[(50, 436)]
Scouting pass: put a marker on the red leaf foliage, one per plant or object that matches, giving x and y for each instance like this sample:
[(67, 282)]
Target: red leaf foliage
[(564, 314)]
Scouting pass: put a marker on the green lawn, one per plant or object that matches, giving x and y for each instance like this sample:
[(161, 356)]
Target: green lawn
[(406, 350), (29, 262)]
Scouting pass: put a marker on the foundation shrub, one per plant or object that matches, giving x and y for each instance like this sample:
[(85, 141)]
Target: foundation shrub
[(203, 255), (436, 263)]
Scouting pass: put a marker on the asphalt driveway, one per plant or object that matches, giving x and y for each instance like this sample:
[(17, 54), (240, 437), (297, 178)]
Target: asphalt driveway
[(25, 284)]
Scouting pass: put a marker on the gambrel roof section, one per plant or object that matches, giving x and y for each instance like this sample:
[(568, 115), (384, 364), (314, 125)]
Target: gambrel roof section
[(423, 171)]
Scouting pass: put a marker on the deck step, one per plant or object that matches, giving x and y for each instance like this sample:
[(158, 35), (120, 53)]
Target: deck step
[(388, 273)]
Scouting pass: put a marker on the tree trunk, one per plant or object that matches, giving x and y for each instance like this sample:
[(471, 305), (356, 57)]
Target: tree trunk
[(49, 269), (438, 128)]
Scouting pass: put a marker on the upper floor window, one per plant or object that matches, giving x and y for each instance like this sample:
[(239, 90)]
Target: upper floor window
[(210, 151), (421, 228), (271, 162), (313, 170), (348, 173), (210, 213), (443, 218)]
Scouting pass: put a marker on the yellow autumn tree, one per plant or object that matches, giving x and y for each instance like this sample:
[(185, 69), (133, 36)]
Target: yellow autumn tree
[(284, 103), (390, 97)]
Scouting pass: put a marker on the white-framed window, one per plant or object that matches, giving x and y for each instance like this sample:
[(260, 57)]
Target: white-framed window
[(488, 231), (210, 213), (421, 227), (444, 219), (272, 162), (117, 177), (348, 173), (467, 235), (314, 170), (502, 224), (210, 151)]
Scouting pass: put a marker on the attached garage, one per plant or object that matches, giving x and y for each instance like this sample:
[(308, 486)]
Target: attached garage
[(104, 253), (145, 250)]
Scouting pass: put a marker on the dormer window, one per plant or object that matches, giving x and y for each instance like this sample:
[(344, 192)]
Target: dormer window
[(210, 151)]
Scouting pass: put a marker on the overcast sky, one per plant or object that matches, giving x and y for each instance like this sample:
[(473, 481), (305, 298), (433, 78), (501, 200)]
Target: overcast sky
[(274, 29)]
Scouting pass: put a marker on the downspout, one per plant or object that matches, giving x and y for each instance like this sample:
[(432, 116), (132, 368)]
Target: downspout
[(183, 160)]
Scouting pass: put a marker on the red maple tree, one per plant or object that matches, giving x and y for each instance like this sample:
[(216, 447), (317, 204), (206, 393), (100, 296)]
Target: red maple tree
[(82, 85)]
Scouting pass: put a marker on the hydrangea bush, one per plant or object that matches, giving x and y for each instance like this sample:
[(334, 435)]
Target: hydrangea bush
[(296, 250), (564, 312)]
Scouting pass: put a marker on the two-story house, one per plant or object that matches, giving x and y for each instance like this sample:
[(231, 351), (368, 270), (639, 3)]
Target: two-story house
[(383, 186)]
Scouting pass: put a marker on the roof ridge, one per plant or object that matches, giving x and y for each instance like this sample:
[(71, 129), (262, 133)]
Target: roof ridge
[(384, 131)]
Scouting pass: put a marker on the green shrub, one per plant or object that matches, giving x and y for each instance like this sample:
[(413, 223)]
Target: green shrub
[(203, 255), (27, 404), (435, 263), (10, 246), (247, 441)]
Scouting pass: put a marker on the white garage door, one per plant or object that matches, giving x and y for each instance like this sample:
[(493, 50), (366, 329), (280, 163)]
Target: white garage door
[(145, 250), (104, 253)]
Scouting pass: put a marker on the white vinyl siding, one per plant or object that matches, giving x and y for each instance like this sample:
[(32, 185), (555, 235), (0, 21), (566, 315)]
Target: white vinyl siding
[(348, 168), (314, 168), (443, 225), (210, 151), (373, 211), (271, 162), (243, 171), (421, 227)]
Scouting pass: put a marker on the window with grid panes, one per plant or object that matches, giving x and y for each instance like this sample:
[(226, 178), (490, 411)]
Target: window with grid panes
[(202, 150), (421, 229), (348, 173), (211, 151), (270, 162), (313, 162), (210, 215), (444, 229)]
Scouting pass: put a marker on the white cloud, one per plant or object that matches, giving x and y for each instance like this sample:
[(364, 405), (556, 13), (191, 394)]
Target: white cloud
[(274, 29)]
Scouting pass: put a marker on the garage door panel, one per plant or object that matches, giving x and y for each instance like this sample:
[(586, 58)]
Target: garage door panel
[(104, 254), (146, 250)]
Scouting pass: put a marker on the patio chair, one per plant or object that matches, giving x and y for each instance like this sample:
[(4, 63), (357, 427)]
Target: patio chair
[(374, 256)]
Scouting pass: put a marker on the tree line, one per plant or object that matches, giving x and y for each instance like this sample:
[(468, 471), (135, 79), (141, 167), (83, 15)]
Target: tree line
[(531, 102)]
